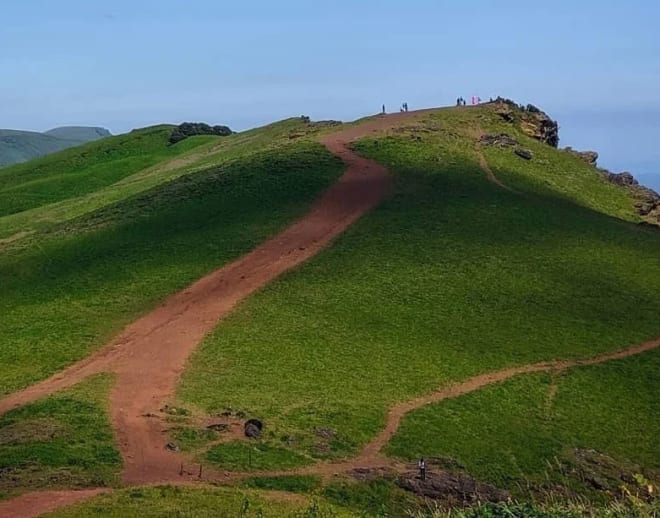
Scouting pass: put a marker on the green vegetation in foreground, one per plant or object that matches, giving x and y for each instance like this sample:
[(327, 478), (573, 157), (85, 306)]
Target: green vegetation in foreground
[(372, 498), (199, 502), (69, 292), (64, 441), (449, 278), (289, 483), (77, 171), (629, 508), (244, 456), (521, 432)]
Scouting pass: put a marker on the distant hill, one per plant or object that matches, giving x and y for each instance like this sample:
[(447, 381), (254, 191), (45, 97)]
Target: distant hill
[(21, 146), (79, 133)]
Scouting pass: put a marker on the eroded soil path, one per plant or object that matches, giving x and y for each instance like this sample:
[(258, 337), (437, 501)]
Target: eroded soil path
[(32, 505), (149, 355)]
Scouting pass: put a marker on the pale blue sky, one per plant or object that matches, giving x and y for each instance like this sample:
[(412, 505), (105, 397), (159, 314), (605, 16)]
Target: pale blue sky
[(594, 65)]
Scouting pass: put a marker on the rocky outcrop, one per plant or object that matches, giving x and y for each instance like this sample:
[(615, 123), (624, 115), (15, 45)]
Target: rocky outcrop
[(590, 157), (532, 121), (452, 489), (624, 179), (498, 139), (647, 201)]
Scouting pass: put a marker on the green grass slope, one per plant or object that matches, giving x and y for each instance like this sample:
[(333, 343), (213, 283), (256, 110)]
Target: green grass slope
[(64, 441), (83, 169), (539, 429), (144, 161), (451, 277), (201, 502), (67, 291)]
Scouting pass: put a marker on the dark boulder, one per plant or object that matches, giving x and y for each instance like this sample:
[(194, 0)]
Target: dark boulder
[(253, 428), (524, 153)]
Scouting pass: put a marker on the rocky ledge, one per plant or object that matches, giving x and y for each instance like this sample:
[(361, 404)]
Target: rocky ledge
[(647, 201), (532, 121)]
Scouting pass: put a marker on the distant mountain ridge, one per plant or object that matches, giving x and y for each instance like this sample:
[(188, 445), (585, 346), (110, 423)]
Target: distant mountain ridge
[(81, 133), (20, 146)]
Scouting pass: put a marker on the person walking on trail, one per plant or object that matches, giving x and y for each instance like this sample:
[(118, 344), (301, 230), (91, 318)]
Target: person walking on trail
[(383, 109), (422, 468), (405, 107)]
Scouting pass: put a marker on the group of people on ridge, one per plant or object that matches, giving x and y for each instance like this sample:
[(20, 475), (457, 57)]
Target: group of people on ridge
[(404, 108), (462, 102)]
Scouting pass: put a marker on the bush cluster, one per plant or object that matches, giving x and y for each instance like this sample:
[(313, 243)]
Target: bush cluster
[(188, 129)]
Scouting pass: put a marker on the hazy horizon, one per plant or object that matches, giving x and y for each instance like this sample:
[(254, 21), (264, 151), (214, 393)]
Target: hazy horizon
[(123, 65)]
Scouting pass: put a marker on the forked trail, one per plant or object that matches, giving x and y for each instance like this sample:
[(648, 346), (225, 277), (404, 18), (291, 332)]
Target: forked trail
[(150, 354)]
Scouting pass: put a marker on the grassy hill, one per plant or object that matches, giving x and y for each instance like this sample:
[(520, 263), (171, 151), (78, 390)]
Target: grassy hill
[(22, 146), (451, 277), (114, 261), (84, 169), (478, 260), (79, 133)]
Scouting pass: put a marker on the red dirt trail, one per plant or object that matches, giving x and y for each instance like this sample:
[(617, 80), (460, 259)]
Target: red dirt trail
[(399, 411), (149, 355), (159, 344), (35, 504)]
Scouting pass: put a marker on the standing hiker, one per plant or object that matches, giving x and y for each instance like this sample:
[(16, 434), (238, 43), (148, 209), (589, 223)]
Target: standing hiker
[(405, 107), (383, 109), (422, 468)]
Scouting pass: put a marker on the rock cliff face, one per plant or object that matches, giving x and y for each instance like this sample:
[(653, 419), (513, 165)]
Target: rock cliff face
[(590, 157), (647, 201), (540, 126), (532, 121)]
